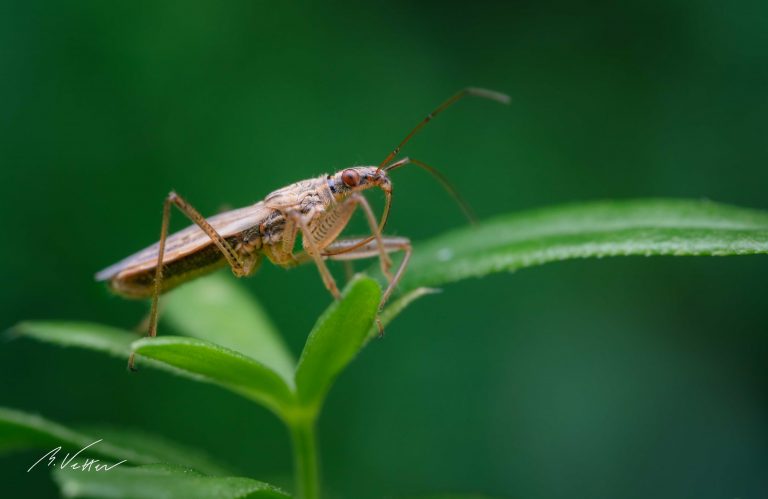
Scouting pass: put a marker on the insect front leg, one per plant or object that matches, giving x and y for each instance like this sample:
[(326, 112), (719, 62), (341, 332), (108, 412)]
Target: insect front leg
[(320, 228), (355, 249), (384, 260), (371, 249), (314, 252), (239, 267), (326, 226)]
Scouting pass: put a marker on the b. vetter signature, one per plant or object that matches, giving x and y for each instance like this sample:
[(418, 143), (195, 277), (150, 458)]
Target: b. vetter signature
[(87, 464)]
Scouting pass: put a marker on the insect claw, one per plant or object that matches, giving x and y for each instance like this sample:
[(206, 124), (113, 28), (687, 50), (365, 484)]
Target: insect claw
[(131, 363), (379, 326)]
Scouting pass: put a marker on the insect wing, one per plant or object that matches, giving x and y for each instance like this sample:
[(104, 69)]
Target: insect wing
[(188, 240)]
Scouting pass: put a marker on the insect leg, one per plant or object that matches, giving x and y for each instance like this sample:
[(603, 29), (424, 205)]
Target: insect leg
[(320, 230), (238, 268), (370, 250), (314, 252), (386, 262)]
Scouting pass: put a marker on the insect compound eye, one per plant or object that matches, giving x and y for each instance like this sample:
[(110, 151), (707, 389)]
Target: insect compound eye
[(350, 178)]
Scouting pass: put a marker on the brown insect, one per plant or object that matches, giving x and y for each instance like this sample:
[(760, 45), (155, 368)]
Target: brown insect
[(319, 208)]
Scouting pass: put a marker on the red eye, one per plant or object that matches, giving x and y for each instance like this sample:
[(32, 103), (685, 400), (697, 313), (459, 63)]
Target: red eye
[(350, 178)]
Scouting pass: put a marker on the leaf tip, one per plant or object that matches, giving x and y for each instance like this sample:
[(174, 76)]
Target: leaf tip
[(13, 332), (361, 282)]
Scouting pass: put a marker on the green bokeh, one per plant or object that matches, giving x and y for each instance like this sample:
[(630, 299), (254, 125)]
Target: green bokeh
[(635, 377)]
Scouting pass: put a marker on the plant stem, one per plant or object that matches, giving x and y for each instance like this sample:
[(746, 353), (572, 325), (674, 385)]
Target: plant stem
[(305, 458)]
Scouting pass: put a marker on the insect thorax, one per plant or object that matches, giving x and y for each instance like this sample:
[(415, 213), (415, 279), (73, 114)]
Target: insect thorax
[(304, 196)]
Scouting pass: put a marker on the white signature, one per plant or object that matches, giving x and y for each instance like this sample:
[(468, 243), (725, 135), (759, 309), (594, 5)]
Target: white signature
[(69, 462)]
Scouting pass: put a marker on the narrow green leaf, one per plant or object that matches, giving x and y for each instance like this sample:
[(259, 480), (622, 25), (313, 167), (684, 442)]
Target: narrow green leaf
[(394, 308), (110, 340), (598, 229), (206, 362), (159, 447), (336, 338), (20, 430), (217, 309), (212, 363), (155, 481)]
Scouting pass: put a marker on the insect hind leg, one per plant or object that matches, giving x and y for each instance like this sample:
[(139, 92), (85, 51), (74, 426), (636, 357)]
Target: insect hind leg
[(239, 267)]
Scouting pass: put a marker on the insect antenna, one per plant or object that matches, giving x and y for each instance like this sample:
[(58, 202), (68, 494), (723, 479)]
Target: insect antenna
[(386, 166), (477, 92), (447, 185)]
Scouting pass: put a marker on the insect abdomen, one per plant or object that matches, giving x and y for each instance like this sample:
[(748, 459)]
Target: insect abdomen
[(142, 284)]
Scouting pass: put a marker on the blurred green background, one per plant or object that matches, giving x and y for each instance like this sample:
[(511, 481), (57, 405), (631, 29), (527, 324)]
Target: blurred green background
[(637, 377)]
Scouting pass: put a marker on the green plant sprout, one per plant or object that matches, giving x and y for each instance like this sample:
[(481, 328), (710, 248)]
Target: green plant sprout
[(231, 342)]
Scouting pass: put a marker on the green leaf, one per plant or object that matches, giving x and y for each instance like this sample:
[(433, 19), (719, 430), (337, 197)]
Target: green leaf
[(192, 358), (155, 481), (336, 338), (159, 448), (598, 229), (113, 341), (20, 430), (212, 363), (217, 309), (394, 308)]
